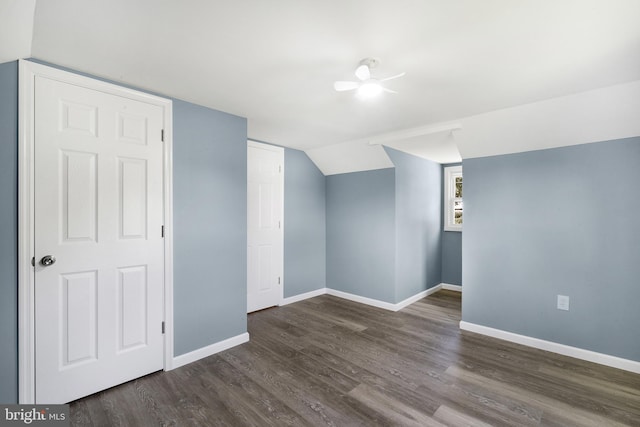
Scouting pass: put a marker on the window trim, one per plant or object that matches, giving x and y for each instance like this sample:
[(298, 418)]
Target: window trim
[(450, 175)]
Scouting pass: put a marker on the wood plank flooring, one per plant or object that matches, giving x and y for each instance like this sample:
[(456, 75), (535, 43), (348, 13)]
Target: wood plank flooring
[(331, 362)]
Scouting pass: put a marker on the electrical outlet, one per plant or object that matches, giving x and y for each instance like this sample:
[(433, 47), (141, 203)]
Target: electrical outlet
[(563, 302)]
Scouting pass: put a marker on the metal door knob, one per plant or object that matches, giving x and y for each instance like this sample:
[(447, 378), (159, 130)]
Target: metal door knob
[(48, 260)]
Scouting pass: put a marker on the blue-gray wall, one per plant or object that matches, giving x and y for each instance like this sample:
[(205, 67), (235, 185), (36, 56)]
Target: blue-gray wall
[(558, 221), (451, 248), (361, 233), (9, 232), (418, 190), (452, 257), (384, 229), (210, 187), (305, 225), (210, 226)]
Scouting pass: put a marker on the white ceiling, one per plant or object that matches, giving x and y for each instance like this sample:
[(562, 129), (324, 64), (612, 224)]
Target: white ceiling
[(275, 62), (16, 29)]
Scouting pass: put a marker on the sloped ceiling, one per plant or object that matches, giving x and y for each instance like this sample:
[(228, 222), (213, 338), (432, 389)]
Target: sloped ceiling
[(275, 62)]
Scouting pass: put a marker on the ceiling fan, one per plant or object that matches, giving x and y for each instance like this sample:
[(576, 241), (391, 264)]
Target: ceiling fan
[(367, 87)]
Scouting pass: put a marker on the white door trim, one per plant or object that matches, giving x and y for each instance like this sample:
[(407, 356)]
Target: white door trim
[(26, 278)]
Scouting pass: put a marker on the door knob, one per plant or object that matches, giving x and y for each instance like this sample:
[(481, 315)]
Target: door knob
[(48, 260)]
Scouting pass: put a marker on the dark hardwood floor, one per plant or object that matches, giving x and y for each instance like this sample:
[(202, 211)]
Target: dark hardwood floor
[(328, 361)]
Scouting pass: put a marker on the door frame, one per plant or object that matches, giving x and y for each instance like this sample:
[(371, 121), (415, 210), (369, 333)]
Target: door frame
[(280, 150), (26, 173)]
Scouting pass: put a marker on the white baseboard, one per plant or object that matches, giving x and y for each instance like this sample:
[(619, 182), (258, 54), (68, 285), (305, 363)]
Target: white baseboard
[(402, 304), (362, 300), (370, 301), (306, 295), (209, 350), (578, 353), (448, 287), (383, 304)]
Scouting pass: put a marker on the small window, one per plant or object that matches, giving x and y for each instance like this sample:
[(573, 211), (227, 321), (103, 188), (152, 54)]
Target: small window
[(453, 198)]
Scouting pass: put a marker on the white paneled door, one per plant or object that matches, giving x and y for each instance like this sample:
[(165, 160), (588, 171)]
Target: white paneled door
[(265, 196), (98, 245)]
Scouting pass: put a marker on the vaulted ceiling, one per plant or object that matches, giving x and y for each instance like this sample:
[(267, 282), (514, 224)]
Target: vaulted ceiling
[(275, 62)]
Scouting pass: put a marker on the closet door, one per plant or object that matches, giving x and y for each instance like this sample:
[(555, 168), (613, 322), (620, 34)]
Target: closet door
[(265, 196)]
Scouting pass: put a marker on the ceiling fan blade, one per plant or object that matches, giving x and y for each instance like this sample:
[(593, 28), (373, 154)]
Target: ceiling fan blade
[(393, 77), (388, 90), (342, 86), (363, 72)]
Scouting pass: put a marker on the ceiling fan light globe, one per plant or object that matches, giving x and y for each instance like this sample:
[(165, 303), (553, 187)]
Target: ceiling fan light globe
[(369, 89), (363, 73)]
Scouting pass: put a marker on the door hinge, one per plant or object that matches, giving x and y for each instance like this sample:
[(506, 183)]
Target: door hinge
[(162, 135), (163, 327), (280, 168), (278, 280), (279, 224), (162, 231), (33, 261)]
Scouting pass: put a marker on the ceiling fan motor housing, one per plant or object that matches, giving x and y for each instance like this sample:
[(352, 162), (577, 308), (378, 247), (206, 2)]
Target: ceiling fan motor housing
[(370, 62)]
